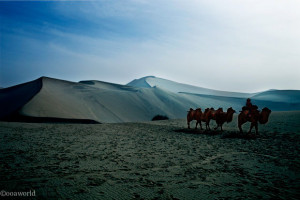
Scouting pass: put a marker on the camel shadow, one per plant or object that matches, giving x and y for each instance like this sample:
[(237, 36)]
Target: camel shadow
[(224, 134), (198, 131), (238, 135)]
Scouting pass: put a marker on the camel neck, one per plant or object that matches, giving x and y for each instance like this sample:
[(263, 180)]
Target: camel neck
[(229, 116), (263, 118)]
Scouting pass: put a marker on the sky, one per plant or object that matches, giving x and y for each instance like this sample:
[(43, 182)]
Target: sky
[(232, 45)]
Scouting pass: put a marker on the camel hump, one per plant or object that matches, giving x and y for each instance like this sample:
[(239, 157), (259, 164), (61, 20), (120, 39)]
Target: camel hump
[(255, 107), (220, 110), (266, 109), (191, 109), (245, 108)]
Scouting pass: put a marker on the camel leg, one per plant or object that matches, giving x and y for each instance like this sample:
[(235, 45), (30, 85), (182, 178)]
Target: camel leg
[(256, 128), (199, 122), (240, 123), (221, 127), (217, 127), (196, 125), (207, 124), (252, 124), (201, 126), (188, 123), (240, 127)]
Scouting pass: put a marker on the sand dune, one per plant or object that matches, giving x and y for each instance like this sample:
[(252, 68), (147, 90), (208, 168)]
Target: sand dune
[(107, 86), (152, 81), (237, 103), (286, 96), (102, 102), (289, 96), (14, 98)]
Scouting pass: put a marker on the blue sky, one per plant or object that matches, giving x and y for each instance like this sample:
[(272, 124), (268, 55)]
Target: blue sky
[(245, 46)]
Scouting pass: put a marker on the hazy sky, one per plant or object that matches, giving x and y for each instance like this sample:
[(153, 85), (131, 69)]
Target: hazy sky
[(247, 46)]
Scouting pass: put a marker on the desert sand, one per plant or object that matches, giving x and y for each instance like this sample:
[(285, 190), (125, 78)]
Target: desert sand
[(151, 160)]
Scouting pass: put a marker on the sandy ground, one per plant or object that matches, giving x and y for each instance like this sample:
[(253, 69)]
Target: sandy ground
[(152, 160)]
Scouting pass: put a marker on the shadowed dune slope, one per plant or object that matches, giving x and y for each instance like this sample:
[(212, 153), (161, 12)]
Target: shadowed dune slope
[(13, 98)]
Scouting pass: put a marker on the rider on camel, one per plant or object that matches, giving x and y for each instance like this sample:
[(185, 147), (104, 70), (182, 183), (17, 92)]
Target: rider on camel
[(249, 106)]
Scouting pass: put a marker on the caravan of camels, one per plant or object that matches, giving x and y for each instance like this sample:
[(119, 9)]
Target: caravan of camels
[(249, 113)]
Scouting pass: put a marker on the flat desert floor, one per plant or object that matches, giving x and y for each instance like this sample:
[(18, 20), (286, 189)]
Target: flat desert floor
[(151, 160)]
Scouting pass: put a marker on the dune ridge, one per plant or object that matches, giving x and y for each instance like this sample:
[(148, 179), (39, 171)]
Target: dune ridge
[(286, 96), (152, 81)]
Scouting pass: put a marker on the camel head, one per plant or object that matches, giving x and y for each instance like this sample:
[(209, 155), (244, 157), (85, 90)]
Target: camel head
[(230, 112), (267, 110), (264, 115), (191, 110)]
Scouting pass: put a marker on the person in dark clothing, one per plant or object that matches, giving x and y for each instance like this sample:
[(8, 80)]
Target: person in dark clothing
[(249, 106)]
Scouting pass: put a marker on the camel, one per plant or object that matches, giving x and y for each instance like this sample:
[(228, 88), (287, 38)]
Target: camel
[(254, 117), (222, 117), (194, 115), (211, 115), (203, 116)]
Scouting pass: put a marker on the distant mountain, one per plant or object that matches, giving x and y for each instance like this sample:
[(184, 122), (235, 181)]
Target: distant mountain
[(47, 99)]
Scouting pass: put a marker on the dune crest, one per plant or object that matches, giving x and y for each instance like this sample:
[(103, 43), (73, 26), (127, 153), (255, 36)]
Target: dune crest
[(152, 81)]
